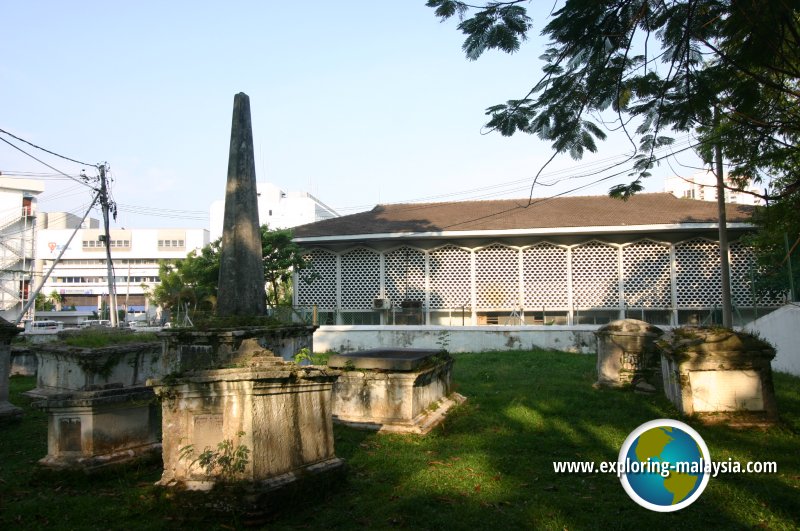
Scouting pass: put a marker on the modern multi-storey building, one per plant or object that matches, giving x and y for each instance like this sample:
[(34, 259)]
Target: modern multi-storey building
[(278, 209), (81, 277), (17, 236), (703, 186)]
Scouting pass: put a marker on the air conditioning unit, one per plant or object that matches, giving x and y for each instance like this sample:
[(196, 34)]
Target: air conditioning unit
[(381, 304)]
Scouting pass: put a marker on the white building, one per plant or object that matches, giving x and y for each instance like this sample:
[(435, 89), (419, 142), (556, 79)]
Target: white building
[(80, 277), (703, 186), (278, 209), (17, 237)]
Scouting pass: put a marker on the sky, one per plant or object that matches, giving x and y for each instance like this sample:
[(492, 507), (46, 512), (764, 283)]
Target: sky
[(358, 102)]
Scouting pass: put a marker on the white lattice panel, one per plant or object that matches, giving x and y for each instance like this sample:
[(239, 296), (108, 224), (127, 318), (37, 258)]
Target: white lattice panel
[(697, 274), (405, 275), (449, 277), (361, 278), (317, 282), (645, 274), (545, 277), (497, 278), (595, 276), (744, 270)]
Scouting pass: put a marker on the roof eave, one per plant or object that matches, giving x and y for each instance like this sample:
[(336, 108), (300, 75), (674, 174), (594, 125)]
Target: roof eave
[(549, 231)]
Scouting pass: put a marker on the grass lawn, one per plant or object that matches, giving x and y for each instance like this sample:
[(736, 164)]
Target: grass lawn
[(489, 466)]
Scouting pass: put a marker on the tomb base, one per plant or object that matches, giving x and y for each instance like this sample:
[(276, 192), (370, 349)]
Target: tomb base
[(394, 390), (272, 417), (719, 375), (90, 430)]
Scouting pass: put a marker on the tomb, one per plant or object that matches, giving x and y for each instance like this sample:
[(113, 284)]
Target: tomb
[(393, 390), (94, 428), (278, 411), (626, 354), (719, 374)]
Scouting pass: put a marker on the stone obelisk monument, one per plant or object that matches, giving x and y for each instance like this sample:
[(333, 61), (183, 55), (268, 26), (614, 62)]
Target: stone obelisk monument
[(241, 272)]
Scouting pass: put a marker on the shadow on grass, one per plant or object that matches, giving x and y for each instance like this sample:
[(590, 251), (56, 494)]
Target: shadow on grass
[(489, 465)]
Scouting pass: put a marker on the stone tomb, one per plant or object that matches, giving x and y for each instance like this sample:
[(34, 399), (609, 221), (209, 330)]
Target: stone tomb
[(393, 390), (626, 354), (63, 368), (281, 412), (719, 373), (91, 429)]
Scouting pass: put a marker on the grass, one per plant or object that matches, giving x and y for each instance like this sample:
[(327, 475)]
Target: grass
[(489, 465), (90, 338)]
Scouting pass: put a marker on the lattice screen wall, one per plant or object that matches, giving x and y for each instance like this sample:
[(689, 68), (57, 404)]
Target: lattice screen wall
[(595, 276), (544, 269), (697, 274), (361, 279), (450, 277), (497, 278), (646, 279), (743, 271), (645, 275), (316, 284), (405, 275)]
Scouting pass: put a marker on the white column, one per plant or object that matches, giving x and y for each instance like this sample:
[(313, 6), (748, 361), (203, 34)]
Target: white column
[(338, 288), (570, 298), (473, 295), (673, 283), (521, 268), (427, 288), (382, 283), (621, 283)]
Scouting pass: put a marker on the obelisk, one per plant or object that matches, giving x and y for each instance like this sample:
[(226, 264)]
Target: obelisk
[(241, 272)]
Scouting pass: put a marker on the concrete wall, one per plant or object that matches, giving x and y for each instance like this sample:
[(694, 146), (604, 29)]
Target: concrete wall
[(576, 338), (782, 329)]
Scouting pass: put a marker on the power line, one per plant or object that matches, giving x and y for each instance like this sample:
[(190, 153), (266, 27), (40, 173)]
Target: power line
[(46, 150), (85, 183)]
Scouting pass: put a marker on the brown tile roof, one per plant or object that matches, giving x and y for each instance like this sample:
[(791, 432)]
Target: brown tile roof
[(509, 214)]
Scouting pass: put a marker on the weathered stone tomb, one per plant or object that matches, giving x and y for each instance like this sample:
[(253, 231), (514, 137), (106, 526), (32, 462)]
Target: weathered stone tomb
[(393, 390)]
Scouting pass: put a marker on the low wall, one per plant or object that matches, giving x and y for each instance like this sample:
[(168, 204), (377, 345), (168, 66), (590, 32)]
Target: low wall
[(781, 328), (576, 338)]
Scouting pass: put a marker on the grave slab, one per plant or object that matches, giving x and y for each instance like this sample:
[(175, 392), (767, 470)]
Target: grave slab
[(394, 390)]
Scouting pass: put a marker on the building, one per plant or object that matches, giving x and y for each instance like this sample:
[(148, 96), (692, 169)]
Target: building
[(276, 208), (570, 260), (703, 186), (18, 215), (81, 278)]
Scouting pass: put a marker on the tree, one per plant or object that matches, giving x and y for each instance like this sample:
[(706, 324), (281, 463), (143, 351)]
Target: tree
[(281, 256), (727, 72), (649, 68)]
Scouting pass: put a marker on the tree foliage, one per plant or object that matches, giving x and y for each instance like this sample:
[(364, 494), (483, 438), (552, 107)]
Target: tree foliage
[(652, 68), (281, 256)]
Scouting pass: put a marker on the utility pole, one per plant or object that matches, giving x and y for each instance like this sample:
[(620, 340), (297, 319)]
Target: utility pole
[(727, 309), (105, 204)]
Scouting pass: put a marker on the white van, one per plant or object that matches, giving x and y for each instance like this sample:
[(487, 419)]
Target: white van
[(43, 326)]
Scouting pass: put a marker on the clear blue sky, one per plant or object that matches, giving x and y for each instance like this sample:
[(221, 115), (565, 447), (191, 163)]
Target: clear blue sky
[(358, 102)]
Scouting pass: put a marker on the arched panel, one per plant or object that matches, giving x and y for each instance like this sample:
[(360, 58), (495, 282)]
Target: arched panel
[(545, 276), (497, 277), (316, 283)]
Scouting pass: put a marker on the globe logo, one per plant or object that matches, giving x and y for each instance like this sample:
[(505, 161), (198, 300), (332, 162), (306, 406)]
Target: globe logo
[(663, 465)]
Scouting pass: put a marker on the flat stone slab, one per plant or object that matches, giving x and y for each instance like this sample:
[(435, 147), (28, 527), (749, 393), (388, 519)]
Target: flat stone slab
[(388, 359)]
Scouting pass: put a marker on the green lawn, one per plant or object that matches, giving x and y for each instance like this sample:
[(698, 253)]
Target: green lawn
[(489, 466)]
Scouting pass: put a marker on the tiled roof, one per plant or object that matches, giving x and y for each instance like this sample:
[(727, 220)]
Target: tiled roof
[(511, 214)]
